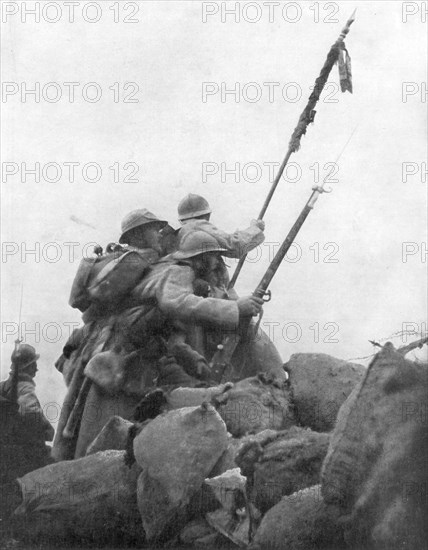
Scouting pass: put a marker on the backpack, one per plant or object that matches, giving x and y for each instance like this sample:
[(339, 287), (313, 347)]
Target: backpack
[(79, 297), (106, 278)]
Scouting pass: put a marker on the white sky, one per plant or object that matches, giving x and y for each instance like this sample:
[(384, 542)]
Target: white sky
[(367, 294)]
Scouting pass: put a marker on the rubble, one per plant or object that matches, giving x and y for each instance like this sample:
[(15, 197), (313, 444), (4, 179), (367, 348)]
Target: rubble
[(320, 384)]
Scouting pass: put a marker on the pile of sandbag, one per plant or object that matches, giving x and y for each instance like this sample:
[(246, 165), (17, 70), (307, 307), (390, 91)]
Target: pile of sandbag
[(256, 463), (373, 484)]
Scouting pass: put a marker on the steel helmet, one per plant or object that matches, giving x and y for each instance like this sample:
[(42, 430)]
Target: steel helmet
[(24, 356), (195, 243), (193, 206), (139, 217)]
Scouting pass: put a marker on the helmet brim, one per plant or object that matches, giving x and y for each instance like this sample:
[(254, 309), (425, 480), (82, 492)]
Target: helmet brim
[(160, 223), (180, 255), (195, 214)]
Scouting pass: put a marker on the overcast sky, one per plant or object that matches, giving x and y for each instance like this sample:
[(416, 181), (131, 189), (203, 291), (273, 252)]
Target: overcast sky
[(358, 270)]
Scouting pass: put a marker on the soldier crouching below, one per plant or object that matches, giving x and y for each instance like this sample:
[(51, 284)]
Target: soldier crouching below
[(25, 429)]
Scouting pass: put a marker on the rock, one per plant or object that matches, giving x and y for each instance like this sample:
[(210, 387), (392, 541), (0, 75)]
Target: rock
[(113, 436), (177, 451), (301, 521), (375, 469), (320, 384), (89, 499), (287, 462), (256, 404)]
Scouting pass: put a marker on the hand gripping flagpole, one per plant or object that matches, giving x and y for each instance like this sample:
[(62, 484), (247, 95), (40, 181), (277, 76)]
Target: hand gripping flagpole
[(336, 54)]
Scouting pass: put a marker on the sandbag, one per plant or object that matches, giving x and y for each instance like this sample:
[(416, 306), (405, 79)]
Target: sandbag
[(114, 436), (176, 450), (258, 355), (284, 463), (375, 469), (320, 384), (196, 529), (93, 498), (301, 521), (228, 489), (227, 460), (255, 404), (193, 397)]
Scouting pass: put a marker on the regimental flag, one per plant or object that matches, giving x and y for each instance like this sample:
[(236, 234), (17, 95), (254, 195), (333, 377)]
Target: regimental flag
[(345, 70)]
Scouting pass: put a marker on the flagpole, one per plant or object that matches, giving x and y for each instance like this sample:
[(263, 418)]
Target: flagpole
[(307, 116)]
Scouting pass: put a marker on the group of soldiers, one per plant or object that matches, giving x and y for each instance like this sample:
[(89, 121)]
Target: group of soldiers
[(156, 305)]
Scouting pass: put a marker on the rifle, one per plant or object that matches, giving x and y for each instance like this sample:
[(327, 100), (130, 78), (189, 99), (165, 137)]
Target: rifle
[(334, 55), (222, 357)]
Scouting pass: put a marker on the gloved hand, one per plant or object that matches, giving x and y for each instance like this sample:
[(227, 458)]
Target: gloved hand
[(172, 374), (260, 224), (191, 361), (249, 306)]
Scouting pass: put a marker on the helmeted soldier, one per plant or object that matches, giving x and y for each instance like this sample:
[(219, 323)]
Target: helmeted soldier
[(194, 214), (258, 353), (26, 428), (175, 286), (141, 230), (108, 321), (170, 283)]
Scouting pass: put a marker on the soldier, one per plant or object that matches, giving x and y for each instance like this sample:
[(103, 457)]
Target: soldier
[(141, 230), (194, 214), (170, 285), (26, 427), (87, 405), (256, 354)]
